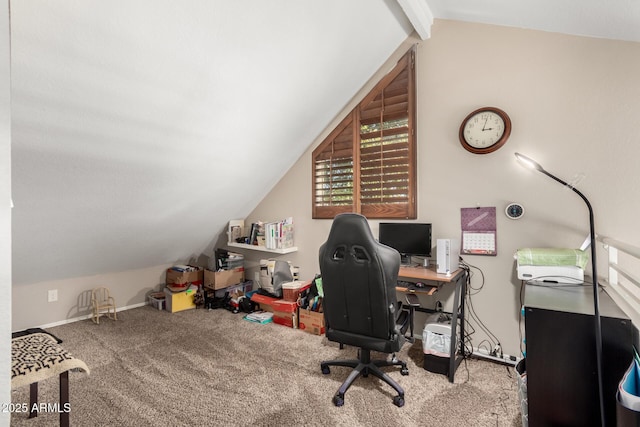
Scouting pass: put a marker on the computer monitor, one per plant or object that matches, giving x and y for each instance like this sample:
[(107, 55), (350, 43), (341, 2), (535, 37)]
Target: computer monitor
[(408, 238)]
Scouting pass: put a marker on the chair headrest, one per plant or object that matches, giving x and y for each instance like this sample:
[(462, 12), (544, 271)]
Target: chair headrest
[(351, 228)]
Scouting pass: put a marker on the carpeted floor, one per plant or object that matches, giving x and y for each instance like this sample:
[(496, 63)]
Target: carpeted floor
[(201, 367)]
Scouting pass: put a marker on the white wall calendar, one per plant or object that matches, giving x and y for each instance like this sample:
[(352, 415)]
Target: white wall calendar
[(478, 231)]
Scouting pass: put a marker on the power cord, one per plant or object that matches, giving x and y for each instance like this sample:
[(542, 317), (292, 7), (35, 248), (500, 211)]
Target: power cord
[(495, 346)]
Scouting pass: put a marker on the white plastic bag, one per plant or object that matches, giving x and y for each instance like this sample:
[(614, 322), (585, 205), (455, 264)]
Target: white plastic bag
[(434, 343)]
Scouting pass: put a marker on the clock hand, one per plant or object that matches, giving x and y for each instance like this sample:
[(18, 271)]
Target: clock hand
[(485, 123)]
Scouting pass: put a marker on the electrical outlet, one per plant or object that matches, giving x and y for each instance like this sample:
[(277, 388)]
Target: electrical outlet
[(53, 295)]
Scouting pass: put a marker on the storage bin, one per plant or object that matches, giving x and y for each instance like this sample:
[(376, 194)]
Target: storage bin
[(157, 303), (291, 290), (436, 364)]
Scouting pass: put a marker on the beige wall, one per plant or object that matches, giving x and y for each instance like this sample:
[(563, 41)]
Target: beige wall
[(574, 103), (129, 289)]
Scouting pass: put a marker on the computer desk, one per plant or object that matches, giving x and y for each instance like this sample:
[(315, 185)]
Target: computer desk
[(433, 282)]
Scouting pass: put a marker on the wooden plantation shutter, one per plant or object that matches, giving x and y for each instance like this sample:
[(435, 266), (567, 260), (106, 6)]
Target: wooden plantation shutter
[(333, 172), (377, 139), (387, 160)]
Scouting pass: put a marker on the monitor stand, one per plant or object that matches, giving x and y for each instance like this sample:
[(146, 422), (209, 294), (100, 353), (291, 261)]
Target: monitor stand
[(405, 260)]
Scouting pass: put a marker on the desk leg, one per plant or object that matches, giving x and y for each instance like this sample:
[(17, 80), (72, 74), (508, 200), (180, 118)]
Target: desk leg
[(64, 399), (33, 399), (463, 297), (411, 316), (458, 303)]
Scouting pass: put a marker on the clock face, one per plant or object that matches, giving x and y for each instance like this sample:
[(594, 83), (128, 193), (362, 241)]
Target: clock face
[(485, 130)]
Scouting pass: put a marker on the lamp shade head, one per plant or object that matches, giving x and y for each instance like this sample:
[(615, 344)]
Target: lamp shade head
[(527, 162)]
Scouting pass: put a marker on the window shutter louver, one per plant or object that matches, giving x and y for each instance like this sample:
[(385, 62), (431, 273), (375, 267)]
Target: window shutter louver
[(333, 173), (367, 164), (385, 149)]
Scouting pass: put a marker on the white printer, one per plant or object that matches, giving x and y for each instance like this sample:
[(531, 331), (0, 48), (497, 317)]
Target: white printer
[(555, 265)]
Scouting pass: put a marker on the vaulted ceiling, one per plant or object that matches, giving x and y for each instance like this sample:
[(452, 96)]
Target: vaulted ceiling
[(140, 127), (617, 19)]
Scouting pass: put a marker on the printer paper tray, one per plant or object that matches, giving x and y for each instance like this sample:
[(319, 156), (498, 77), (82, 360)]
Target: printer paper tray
[(544, 273)]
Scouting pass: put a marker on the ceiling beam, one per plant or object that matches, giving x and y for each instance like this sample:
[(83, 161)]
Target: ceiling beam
[(420, 15)]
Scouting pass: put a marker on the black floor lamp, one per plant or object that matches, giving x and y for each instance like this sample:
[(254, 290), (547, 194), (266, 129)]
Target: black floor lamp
[(531, 164)]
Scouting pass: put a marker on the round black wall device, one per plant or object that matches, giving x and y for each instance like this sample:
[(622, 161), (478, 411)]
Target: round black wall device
[(514, 211)]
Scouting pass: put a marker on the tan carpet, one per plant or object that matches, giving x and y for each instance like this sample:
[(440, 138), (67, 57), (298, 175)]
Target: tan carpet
[(198, 368)]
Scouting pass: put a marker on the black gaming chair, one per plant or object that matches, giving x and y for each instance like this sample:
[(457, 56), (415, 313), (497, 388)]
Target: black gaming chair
[(359, 277)]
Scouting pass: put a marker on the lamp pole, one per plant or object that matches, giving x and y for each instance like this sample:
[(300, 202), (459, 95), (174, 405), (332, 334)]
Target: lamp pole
[(527, 162)]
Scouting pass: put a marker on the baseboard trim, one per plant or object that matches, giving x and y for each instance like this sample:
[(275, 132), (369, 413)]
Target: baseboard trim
[(85, 317)]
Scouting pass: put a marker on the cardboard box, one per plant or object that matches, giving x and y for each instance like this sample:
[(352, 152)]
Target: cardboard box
[(223, 278), (288, 319), (285, 313), (265, 302), (284, 306), (311, 321), (181, 278), (274, 304), (179, 301)]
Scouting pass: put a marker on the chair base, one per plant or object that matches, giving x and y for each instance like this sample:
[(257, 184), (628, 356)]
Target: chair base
[(365, 366)]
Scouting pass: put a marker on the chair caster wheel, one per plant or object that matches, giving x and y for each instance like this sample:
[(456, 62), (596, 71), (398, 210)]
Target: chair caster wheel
[(338, 400), (398, 401), (404, 371), (325, 369)]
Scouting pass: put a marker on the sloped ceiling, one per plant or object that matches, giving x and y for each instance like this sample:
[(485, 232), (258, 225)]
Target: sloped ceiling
[(140, 127), (617, 20)]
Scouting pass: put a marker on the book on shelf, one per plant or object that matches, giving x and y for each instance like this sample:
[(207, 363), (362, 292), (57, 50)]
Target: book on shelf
[(279, 234), (257, 231), (270, 235)]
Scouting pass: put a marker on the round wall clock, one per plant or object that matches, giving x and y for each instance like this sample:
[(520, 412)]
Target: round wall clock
[(514, 211), (485, 130)]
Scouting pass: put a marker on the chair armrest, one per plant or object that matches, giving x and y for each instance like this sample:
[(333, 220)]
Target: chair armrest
[(402, 321)]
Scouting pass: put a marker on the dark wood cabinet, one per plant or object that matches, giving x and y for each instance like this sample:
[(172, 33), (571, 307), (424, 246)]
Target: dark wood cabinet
[(562, 381)]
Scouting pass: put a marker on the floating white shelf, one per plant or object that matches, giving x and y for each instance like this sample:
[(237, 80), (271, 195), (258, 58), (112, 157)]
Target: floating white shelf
[(262, 248)]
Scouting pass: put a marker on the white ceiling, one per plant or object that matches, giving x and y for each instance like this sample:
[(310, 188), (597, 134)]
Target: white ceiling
[(611, 19), (140, 127)]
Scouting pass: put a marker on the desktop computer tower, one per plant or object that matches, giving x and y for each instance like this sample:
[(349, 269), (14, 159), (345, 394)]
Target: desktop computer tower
[(448, 255)]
